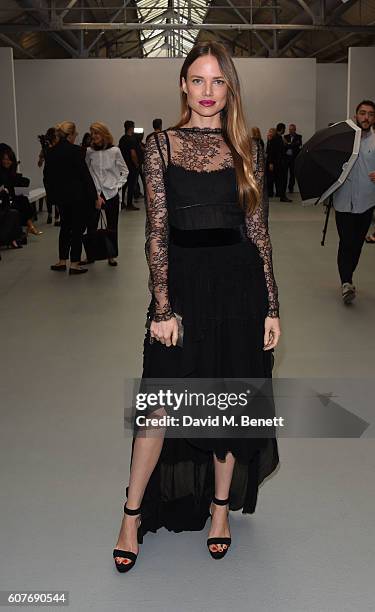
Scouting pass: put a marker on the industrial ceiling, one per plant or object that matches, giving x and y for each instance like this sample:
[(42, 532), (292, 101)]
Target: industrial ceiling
[(323, 29)]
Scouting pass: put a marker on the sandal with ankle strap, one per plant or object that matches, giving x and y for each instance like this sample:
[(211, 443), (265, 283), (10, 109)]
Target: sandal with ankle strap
[(128, 554), (219, 554)]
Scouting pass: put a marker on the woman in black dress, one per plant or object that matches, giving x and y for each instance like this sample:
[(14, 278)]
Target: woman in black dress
[(210, 260)]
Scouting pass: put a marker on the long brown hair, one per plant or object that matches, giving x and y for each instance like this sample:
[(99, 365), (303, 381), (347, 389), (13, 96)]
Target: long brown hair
[(233, 123)]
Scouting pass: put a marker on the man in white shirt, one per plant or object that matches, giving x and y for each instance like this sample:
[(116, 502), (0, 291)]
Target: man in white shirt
[(354, 201)]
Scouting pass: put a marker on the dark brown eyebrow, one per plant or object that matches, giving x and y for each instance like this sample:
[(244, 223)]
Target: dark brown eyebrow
[(197, 76)]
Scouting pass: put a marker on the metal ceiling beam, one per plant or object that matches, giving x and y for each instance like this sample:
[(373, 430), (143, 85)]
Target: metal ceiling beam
[(244, 20), (47, 26), (288, 27), (335, 14), (113, 18), (307, 9), (275, 37), (157, 45), (343, 7), (291, 43), (133, 46), (67, 8), (330, 5), (334, 43), (117, 39), (15, 45)]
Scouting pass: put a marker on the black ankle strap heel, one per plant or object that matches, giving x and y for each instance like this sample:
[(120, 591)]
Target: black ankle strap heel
[(210, 541), (220, 502), (128, 554)]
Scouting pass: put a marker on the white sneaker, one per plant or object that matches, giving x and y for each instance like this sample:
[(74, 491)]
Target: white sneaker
[(348, 293)]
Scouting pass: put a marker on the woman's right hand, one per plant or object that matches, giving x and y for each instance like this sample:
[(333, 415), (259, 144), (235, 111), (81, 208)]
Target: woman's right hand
[(99, 203), (165, 332)]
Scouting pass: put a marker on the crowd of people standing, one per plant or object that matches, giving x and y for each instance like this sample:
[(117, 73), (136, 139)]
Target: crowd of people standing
[(281, 152), (85, 182)]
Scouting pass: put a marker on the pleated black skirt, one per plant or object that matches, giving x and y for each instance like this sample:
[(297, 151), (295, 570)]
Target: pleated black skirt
[(221, 293)]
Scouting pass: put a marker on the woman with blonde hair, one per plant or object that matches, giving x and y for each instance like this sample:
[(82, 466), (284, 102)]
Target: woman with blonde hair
[(257, 135), (210, 261), (109, 172), (70, 186)]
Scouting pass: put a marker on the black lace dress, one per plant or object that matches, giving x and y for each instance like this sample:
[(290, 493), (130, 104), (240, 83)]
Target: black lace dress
[(212, 263)]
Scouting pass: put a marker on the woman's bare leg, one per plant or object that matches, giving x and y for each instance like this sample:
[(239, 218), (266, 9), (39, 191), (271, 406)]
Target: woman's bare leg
[(223, 477), (146, 452)]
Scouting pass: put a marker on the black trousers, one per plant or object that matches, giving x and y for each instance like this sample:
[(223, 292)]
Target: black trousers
[(137, 191), (27, 211), (270, 181), (49, 203), (130, 186), (10, 227), (73, 217), (281, 178), (111, 209), (352, 229), (291, 178)]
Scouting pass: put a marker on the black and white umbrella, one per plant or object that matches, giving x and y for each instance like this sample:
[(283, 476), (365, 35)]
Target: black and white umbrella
[(325, 160)]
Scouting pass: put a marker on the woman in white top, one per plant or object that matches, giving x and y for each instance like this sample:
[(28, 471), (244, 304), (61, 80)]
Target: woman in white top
[(109, 172)]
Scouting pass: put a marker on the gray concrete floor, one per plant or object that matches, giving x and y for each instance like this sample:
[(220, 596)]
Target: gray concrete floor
[(68, 344)]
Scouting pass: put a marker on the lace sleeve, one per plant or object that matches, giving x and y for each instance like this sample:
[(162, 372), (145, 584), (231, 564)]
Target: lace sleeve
[(258, 233), (156, 247)]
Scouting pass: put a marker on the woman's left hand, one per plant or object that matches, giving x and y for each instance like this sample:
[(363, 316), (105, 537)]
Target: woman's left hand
[(271, 333)]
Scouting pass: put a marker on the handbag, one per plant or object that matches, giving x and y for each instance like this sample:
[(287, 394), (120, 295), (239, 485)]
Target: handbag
[(99, 244), (21, 181)]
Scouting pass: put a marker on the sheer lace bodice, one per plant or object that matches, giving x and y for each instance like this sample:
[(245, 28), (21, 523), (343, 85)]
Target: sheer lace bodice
[(203, 151)]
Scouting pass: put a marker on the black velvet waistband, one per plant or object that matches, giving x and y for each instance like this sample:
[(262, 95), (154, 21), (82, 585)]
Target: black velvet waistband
[(222, 236)]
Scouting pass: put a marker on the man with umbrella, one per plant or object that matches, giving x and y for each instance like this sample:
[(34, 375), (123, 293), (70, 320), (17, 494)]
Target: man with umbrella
[(354, 201)]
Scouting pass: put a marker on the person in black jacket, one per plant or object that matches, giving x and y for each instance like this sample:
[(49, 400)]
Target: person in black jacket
[(11, 179), (47, 141), (70, 185), (129, 148), (141, 156), (270, 174), (292, 148), (278, 162), (10, 227), (157, 125)]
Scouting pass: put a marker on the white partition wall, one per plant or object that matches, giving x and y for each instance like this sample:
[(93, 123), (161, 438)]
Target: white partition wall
[(279, 90), (87, 90), (8, 115), (361, 81), (331, 94), (112, 90)]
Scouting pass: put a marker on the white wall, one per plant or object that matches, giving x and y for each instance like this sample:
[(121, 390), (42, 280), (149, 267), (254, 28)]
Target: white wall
[(8, 122), (279, 90), (331, 93), (361, 82), (112, 90)]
